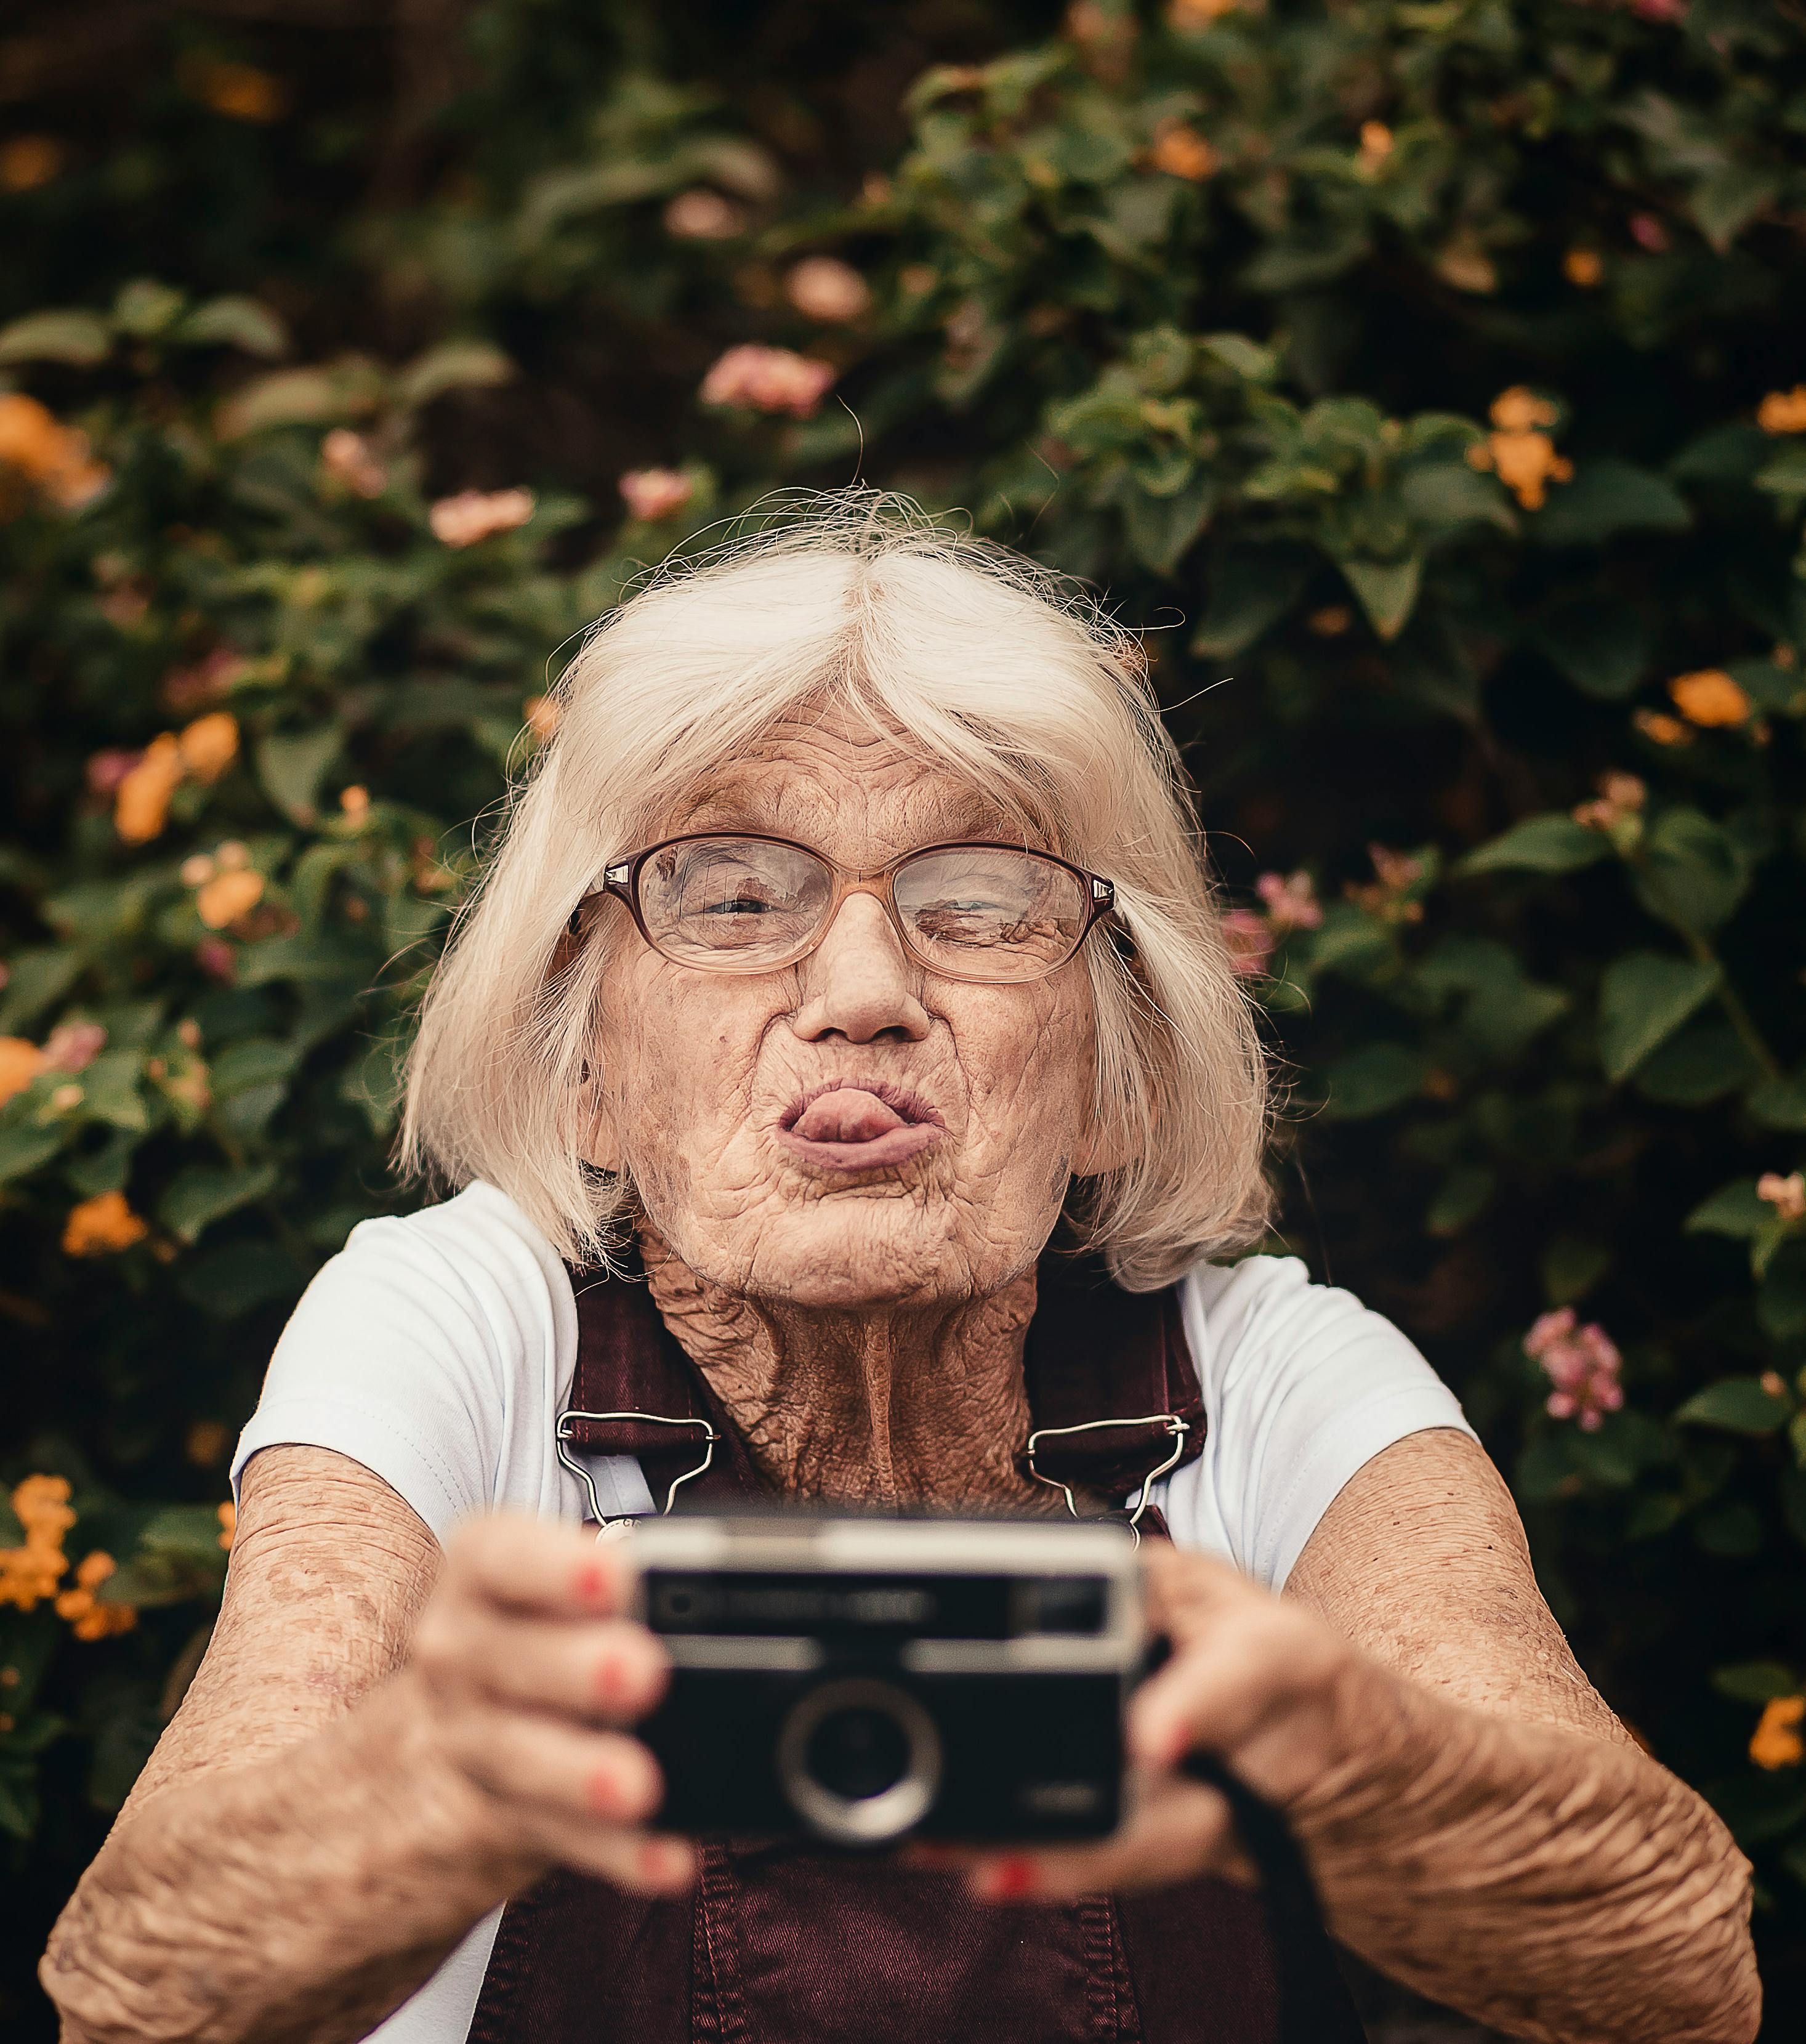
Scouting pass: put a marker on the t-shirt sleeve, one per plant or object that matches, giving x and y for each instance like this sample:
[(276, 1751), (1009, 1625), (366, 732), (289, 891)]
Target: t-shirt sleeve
[(1302, 1386), (408, 1351)]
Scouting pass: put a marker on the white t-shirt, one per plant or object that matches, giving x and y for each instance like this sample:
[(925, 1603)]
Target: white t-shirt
[(437, 1349)]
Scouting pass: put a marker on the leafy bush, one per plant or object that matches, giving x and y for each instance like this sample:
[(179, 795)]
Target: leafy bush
[(1425, 377)]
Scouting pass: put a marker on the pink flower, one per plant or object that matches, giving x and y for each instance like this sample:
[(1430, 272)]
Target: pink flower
[(1648, 232), (217, 958), (653, 494), (1787, 1195), (72, 1047), (1291, 903), (474, 514), (1660, 10), (822, 287), (702, 215), (1582, 1363), (106, 769), (768, 379), (1249, 936)]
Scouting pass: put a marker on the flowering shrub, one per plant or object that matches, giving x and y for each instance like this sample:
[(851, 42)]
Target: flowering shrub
[(1427, 379)]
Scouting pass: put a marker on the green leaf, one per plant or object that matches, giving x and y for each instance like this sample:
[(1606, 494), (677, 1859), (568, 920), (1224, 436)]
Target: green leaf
[(1779, 1103), (1781, 1299), (1756, 1682), (1245, 357), (1606, 496), (453, 365), (1733, 1209), (290, 766), (1724, 204), (1447, 495), (1251, 589), (1739, 1404), (25, 1146), (78, 338), (1688, 871), (1374, 1081), (1387, 589), (1643, 998), (36, 979), (201, 1193), (232, 1280), (1160, 529), (1703, 1063), (234, 322), (1550, 843), (1599, 643)]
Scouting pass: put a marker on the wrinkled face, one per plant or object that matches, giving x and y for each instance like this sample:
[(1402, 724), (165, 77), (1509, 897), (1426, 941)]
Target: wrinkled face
[(852, 1130)]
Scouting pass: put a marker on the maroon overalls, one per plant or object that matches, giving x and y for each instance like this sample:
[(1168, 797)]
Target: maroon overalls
[(782, 1945)]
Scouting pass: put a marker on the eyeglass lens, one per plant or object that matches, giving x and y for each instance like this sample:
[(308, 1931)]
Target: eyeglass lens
[(747, 905)]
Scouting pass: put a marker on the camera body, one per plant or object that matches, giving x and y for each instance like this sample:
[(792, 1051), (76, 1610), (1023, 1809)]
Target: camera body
[(855, 1680)]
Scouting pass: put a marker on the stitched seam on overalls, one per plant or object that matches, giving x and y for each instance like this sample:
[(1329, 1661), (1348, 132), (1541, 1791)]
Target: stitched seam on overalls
[(722, 2019), (1095, 1946)]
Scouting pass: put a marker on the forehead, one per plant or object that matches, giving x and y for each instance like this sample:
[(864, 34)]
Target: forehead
[(833, 781)]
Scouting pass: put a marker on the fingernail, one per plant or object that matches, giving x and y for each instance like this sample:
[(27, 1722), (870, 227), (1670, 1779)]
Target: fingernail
[(595, 1584), (664, 1863), (619, 1790), (1008, 1879), (623, 1680)]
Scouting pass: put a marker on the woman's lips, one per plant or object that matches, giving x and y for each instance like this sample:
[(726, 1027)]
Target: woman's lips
[(859, 1127)]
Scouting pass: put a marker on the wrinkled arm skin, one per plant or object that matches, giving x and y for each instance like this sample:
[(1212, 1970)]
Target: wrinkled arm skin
[(291, 1865), (1496, 1838)]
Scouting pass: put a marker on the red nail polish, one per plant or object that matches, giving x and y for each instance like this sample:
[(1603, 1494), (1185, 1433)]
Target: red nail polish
[(605, 1792), (594, 1583), (1013, 1877)]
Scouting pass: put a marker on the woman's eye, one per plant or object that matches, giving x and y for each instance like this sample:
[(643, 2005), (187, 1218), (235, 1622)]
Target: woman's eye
[(738, 905)]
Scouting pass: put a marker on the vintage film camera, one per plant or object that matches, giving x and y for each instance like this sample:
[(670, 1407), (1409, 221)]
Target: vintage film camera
[(858, 1680)]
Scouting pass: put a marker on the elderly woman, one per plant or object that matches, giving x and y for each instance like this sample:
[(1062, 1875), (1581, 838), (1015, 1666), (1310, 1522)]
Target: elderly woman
[(844, 996)]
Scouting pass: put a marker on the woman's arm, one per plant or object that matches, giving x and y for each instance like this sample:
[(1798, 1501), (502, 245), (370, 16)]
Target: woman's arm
[(380, 1746), (1479, 1825)]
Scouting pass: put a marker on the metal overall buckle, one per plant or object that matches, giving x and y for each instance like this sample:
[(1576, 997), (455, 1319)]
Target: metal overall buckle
[(604, 1525), (1174, 1426)]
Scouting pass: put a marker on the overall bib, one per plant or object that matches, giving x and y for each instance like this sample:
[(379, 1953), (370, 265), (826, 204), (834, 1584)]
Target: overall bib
[(780, 1944)]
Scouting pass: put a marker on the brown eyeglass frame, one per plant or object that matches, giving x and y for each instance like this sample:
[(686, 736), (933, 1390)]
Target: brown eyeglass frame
[(620, 877)]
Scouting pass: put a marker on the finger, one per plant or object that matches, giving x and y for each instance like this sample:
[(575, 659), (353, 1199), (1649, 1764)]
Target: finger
[(642, 1862), (523, 1563), (1181, 1829), (1227, 1683), (610, 1669), (547, 1765)]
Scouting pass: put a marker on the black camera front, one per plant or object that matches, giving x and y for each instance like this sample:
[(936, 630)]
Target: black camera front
[(858, 1680)]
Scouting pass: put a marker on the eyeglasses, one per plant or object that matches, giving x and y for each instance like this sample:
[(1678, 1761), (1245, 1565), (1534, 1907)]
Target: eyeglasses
[(992, 913)]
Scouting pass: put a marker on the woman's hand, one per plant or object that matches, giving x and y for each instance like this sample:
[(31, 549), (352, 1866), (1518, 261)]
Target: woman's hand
[(525, 1671), (1264, 1685)]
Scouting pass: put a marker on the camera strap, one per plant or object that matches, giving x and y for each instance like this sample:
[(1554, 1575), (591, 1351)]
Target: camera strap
[(1113, 1394)]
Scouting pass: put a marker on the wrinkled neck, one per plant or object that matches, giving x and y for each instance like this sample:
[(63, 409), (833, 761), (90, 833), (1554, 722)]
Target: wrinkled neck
[(894, 1405)]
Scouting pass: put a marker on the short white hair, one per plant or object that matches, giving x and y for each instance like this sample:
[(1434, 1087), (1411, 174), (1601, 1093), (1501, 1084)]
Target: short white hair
[(993, 669)]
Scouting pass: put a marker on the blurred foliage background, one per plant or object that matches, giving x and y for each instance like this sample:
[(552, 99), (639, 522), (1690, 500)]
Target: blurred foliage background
[(1427, 378)]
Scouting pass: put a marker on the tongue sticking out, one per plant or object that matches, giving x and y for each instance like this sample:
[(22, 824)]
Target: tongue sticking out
[(852, 1130), (850, 1115)]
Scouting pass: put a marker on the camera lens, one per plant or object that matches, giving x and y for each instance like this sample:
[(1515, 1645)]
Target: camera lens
[(859, 1760), (857, 1753)]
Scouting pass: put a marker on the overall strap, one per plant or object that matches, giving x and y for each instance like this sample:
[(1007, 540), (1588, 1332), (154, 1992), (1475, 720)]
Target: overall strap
[(1113, 1395)]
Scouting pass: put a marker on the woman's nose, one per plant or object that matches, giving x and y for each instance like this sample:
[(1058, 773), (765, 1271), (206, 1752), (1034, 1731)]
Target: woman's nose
[(859, 982)]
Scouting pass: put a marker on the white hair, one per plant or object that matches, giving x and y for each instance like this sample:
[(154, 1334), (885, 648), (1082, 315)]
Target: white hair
[(991, 668)]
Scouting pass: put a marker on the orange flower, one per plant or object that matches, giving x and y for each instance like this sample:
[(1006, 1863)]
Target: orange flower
[(47, 452), (227, 896), (1661, 729), (702, 215), (349, 459), (542, 715), (1519, 410), (1199, 13), (1783, 411), (1376, 146), (92, 1619), (102, 1224), (1710, 698), (20, 1061), (1775, 1741), (1584, 267), (239, 91), (140, 808), (1180, 151), (227, 1514), (28, 161), (30, 1572), (1526, 463), (768, 379), (209, 745), (355, 801)]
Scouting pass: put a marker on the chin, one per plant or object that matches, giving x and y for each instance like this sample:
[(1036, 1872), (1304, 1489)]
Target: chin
[(847, 1255)]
